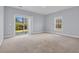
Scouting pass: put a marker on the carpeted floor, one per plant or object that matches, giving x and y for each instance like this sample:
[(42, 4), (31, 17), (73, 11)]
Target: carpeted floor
[(40, 43)]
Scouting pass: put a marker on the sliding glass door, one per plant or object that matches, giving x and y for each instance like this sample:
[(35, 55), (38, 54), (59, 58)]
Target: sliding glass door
[(21, 25)]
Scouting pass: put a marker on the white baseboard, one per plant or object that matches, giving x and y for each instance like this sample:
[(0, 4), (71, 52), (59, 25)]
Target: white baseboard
[(75, 36), (7, 36), (36, 32)]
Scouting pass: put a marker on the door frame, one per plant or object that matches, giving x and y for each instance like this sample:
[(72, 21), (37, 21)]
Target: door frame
[(55, 23), (30, 23)]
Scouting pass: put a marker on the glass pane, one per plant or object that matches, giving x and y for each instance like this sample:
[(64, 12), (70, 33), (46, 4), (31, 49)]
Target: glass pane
[(21, 25), (25, 25), (58, 24)]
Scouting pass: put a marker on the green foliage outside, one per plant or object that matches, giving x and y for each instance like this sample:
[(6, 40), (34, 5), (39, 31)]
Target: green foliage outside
[(21, 26)]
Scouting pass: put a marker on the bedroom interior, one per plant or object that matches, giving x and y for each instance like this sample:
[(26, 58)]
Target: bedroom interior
[(39, 29)]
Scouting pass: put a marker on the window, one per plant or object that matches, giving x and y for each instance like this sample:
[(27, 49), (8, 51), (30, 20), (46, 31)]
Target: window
[(21, 25), (58, 24)]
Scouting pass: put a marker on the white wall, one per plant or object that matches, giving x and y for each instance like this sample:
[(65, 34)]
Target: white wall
[(43, 23), (9, 31), (70, 18), (1, 23)]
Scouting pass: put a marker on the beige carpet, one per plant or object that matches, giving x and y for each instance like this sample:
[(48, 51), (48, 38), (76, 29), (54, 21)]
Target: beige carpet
[(38, 43)]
